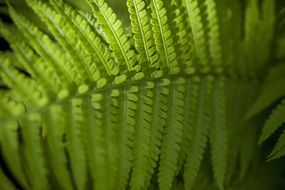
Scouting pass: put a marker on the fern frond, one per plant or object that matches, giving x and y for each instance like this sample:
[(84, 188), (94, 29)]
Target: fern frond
[(109, 107), (185, 41), (25, 88), (29, 61), (252, 16), (218, 132), (190, 105), (275, 121), (88, 104), (17, 40), (91, 42), (144, 40), (126, 108), (49, 51), (201, 130), (159, 120), (214, 32), (10, 149), (172, 137), (114, 33), (55, 128), (267, 30), (79, 64), (94, 140), (234, 95), (279, 149), (142, 167), (75, 144), (163, 38), (259, 31), (33, 152), (193, 8)]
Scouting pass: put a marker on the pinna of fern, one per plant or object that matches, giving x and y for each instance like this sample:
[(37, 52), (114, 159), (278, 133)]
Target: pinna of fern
[(273, 94), (90, 105)]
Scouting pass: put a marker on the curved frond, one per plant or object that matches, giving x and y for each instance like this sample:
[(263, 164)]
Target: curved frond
[(78, 64), (54, 128), (218, 132), (184, 40), (193, 8), (33, 152), (91, 42), (279, 149), (114, 33), (163, 37), (201, 127), (75, 144), (144, 40), (86, 103), (142, 167), (94, 140), (214, 32), (172, 137), (49, 51), (10, 148), (26, 89), (275, 121), (126, 109)]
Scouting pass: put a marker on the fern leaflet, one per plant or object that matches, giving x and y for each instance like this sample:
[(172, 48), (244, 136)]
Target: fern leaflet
[(114, 33), (144, 40), (163, 37)]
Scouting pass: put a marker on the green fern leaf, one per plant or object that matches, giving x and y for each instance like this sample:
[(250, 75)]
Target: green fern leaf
[(92, 42), (201, 130), (279, 149), (144, 40), (109, 106), (75, 143), (86, 104), (172, 137), (34, 153), (190, 99), (114, 33), (67, 38), (163, 38), (198, 29), (275, 120), (25, 88), (10, 148), (126, 135), (49, 51), (257, 25), (159, 117), (185, 41), (214, 33), (218, 132), (94, 140), (54, 127), (141, 167)]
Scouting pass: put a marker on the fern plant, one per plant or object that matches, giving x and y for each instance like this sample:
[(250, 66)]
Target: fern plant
[(158, 95)]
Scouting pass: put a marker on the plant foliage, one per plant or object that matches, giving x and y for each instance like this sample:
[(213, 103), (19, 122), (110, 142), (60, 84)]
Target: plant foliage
[(93, 100)]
